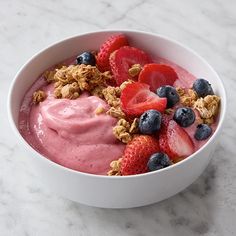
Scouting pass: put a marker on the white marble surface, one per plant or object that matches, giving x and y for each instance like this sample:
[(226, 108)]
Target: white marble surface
[(208, 207)]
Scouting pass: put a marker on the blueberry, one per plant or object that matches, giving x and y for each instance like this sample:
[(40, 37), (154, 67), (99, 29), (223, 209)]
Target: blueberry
[(86, 58), (150, 122), (170, 93), (184, 116), (158, 161), (203, 131), (202, 87)]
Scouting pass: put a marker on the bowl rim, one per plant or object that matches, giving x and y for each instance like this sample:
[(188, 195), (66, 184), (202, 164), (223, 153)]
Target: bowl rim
[(223, 107)]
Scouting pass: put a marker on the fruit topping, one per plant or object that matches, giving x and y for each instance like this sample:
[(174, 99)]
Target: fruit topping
[(137, 154), (158, 161), (113, 43), (150, 122), (170, 93), (157, 75), (202, 87), (123, 59), (174, 140), (86, 58), (136, 98), (203, 131), (184, 116)]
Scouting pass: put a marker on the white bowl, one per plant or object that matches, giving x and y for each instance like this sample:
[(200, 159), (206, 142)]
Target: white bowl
[(116, 191)]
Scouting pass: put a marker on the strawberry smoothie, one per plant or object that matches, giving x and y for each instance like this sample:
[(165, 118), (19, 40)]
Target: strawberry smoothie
[(69, 132)]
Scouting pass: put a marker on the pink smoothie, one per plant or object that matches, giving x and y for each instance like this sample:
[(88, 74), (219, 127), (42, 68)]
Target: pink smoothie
[(70, 133)]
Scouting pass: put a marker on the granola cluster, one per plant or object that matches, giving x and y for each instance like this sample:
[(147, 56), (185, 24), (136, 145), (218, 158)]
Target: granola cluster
[(208, 107), (115, 168), (187, 97), (38, 96), (112, 96), (70, 81), (134, 70), (125, 130)]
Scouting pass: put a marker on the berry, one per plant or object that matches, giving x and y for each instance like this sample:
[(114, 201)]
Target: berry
[(184, 116), (123, 59), (136, 98), (203, 131), (174, 140), (202, 87), (158, 161), (86, 58), (157, 75), (170, 93), (113, 43), (150, 122), (137, 153)]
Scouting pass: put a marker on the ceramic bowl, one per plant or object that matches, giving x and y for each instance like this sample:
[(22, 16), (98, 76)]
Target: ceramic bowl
[(116, 191)]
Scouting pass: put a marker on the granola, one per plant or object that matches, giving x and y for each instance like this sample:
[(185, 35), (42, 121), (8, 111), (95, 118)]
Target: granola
[(116, 112), (115, 168), (112, 96), (134, 70), (208, 107), (125, 130), (70, 81), (70, 91), (49, 74), (99, 110), (125, 83), (187, 97), (134, 126), (121, 131), (38, 96)]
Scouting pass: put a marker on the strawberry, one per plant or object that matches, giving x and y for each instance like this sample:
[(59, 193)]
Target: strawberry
[(123, 59), (136, 98), (174, 140), (157, 75), (113, 43), (137, 153)]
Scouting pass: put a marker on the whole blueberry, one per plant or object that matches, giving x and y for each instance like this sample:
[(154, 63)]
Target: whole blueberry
[(86, 58), (202, 87), (170, 93), (158, 161), (184, 116), (203, 131), (150, 122)]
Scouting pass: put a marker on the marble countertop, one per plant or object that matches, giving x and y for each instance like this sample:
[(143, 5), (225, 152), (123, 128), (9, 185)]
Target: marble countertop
[(207, 207)]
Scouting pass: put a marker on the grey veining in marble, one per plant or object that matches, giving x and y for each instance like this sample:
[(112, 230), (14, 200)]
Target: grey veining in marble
[(207, 207)]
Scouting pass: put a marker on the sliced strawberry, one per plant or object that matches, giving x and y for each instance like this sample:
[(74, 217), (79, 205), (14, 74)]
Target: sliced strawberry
[(136, 98), (113, 43), (175, 141), (137, 153), (123, 59), (157, 75)]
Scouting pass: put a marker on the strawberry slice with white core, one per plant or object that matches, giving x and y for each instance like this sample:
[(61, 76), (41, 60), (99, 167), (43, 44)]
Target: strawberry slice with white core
[(123, 59), (157, 75), (174, 140), (178, 140), (136, 98)]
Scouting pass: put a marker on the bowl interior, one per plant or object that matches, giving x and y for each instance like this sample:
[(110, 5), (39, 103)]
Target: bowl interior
[(153, 44)]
